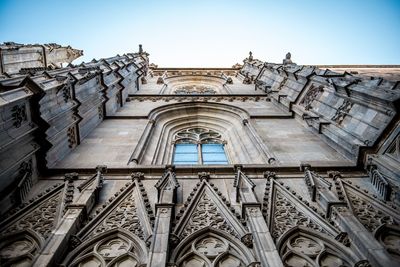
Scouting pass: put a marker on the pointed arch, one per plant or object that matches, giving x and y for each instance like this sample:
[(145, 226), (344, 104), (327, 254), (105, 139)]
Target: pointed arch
[(205, 208), (107, 247), (211, 247), (20, 247), (302, 245), (287, 209), (242, 141), (39, 214), (127, 259), (370, 213), (389, 237), (126, 210)]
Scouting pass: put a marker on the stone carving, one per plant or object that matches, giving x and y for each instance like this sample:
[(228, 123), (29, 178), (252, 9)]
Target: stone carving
[(247, 79), (66, 89), (18, 249), (123, 216), (250, 56), (282, 83), (69, 188), (113, 248), (380, 183), (71, 133), (160, 80), (193, 98), (100, 111), (312, 94), (196, 135), (287, 216), (342, 111), (118, 99), (26, 183), (194, 90), (32, 71), (305, 250), (18, 115), (363, 263), (314, 181), (41, 219), (211, 251), (366, 213), (206, 214), (394, 149), (204, 176), (389, 237), (89, 76), (247, 239), (288, 59), (116, 250), (343, 238)]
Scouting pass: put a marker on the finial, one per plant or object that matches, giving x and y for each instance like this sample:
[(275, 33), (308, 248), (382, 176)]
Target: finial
[(288, 59), (250, 56)]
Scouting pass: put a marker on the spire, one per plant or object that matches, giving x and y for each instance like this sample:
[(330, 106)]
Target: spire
[(166, 186)]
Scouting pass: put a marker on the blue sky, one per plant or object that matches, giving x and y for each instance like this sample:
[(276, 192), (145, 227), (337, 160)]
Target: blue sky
[(207, 33)]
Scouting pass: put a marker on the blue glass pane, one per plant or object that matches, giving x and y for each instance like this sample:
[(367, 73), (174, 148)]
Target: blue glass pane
[(186, 157), (185, 163), (215, 162), (213, 154), (185, 148), (212, 148), (185, 154)]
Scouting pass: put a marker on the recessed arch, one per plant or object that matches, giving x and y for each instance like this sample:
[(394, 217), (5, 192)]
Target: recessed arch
[(195, 82), (19, 248), (193, 248), (299, 244), (95, 249), (243, 144)]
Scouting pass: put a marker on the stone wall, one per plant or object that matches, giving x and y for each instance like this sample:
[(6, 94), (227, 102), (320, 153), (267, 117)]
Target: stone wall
[(312, 178), (47, 113)]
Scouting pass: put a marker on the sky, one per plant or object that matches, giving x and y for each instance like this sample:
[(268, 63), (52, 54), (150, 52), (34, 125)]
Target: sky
[(212, 33)]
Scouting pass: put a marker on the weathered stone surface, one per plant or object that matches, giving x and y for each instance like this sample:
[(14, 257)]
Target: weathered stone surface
[(299, 186)]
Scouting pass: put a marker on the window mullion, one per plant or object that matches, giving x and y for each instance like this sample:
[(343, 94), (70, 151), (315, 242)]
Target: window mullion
[(200, 153)]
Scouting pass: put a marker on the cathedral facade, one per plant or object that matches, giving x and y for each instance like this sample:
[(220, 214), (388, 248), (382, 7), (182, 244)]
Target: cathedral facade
[(119, 162)]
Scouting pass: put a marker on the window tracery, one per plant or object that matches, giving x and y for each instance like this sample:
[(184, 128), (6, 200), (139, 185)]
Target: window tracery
[(114, 248), (304, 248), (210, 251), (199, 146)]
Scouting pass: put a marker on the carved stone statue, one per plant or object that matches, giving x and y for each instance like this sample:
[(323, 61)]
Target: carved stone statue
[(250, 56), (288, 59), (140, 49)]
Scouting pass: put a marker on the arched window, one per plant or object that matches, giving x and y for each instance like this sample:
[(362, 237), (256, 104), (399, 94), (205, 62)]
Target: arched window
[(199, 146)]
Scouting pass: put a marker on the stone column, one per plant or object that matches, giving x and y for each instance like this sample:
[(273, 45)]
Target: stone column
[(70, 221), (141, 146), (160, 242), (251, 210), (367, 244), (264, 245), (166, 187)]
